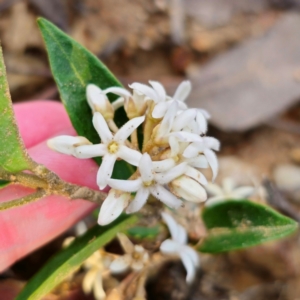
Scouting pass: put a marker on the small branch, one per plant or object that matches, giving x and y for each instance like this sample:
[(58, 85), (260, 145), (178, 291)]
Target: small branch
[(48, 183), (24, 200)]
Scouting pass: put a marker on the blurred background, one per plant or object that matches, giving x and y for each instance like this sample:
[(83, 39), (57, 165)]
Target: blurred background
[(243, 58)]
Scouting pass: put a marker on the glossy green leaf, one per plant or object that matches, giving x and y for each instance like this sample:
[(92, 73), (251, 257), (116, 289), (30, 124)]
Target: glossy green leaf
[(3, 183), (70, 258), (74, 67), (238, 224), (13, 156)]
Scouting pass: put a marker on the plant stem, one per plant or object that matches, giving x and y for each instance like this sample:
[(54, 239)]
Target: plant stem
[(48, 183), (24, 200)]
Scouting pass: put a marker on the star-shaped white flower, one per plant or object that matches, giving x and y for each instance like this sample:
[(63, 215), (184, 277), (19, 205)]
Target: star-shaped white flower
[(97, 267), (228, 191), (204, 147), (135, 257), (111, 147), (181, 93), (177, 246), (148, 183)]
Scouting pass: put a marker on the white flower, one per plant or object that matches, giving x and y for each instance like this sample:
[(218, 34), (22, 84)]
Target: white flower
[(178, 246), (111, 147), (135, 257), (96, 266), (227, 191), (204, 146), (148, 183), (181, 93)]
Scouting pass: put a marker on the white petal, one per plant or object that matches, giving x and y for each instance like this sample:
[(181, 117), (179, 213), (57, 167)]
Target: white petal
[(130, 155), (99, 293), (181, 236), (204, 113), (112, 207), (191, 151), (167, 121), (159, 89), (193, 127), (228, 185), (146, 90), (121, 264), (188, 265), (163, 165), (212, 161), (105, 170), (174, 145), (244, 191), (183, 91), (193, 254), (214, 200), (201, 121), (165, 196), (126, 130), (66, 144), (117, 91), (183, 119), (159, 110), (166, 177), (88, 151), (185, 136), (102, 128), (95, 96), (145, 168), (118, 103), (212, 143), (139, 201), (214, 189), (170, 247), (196, 175), (125, 185), (171, 223), (188, 189), (89, 280), (198, 162)]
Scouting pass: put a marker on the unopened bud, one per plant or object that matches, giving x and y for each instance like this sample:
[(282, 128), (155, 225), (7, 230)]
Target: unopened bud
[(188, 189), (98, 101)]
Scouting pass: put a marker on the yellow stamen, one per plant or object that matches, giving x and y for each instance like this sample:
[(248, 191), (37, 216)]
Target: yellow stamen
[(113, 147)]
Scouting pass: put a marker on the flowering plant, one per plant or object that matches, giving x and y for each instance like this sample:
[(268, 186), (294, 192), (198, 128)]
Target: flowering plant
[(150, 146)]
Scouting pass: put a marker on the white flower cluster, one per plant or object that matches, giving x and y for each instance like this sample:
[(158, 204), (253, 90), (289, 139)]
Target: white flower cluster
[(174, 147)]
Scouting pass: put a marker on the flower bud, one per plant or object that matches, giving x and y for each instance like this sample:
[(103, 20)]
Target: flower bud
[(98, 101), (188, 189), (66, 144), (135, 106)]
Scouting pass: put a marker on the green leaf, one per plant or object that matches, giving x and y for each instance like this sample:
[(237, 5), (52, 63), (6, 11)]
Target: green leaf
[(238, 224), (140, 232), (74, 67), (13, 156), (70, 258), (3, 183)]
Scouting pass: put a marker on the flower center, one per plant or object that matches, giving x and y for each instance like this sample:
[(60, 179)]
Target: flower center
[(176, 158), (148, 183), (113, 147)]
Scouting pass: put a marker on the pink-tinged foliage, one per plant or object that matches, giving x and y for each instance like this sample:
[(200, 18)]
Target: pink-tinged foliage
[(26, 228)]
